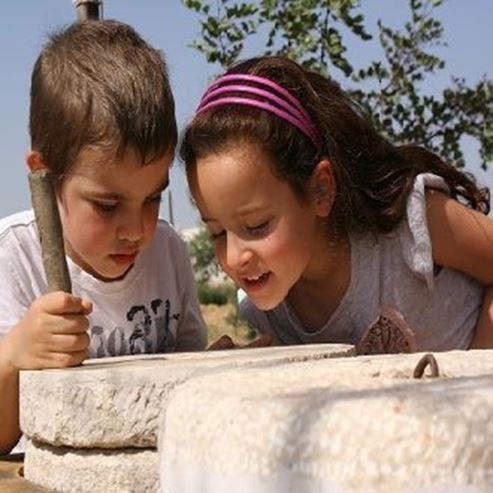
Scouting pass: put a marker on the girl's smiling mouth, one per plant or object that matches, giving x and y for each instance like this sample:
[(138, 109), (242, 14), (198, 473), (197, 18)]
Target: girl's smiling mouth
[(254, 283)]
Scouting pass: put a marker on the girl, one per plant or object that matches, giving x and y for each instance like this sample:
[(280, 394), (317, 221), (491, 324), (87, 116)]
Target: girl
[(323, 222)]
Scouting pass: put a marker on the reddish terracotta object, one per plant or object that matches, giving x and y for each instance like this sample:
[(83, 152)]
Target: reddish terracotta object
[(389, 333)]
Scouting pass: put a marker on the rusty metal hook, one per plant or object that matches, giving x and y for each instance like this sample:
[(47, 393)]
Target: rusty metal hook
[(427, 360)]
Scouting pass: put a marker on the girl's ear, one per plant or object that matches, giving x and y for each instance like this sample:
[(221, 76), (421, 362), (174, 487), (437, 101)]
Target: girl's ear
[(34, 161), (323, 188)]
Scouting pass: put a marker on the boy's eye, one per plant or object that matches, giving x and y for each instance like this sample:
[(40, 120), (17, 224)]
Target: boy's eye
[(156, 199), (106, 206), (257, 229)]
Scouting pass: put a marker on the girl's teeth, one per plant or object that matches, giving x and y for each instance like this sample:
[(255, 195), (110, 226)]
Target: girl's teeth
[(256, 278)]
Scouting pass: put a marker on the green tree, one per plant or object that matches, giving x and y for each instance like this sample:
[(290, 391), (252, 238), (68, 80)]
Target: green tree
[(203, 257), (311, 32)]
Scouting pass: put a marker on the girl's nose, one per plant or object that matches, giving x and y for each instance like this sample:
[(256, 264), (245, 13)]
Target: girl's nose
[(237, 253)]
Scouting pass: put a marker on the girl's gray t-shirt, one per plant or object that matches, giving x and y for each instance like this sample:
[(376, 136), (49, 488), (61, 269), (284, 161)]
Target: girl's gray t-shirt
[(394, 270)]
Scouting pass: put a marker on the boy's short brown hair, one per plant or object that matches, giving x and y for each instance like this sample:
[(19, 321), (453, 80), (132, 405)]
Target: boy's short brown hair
[(99, 84)]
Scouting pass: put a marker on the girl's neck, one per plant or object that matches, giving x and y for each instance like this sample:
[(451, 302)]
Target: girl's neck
[(316, 296)]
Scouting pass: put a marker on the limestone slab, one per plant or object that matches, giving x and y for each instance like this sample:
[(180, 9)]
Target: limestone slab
[(346, 425), (115, 402), (67, 470)]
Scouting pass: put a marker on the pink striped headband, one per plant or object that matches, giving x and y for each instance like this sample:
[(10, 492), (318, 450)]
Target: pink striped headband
[(284, 105)]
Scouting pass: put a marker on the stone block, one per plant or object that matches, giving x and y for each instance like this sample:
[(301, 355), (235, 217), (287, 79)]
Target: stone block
[(356, 425), (68, 470), (115, 402)]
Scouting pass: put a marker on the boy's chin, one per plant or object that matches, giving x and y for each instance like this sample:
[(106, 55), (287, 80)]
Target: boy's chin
[(110, 275), (120, 275)]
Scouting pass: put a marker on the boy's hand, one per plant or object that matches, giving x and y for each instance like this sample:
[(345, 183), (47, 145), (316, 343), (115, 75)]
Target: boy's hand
[(225, 342), (52, 333)]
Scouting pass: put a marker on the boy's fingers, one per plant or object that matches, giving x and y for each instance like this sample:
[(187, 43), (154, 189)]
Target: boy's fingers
[(86, 307), (69, 343), (69, 324), (63, 360), (58, 303)]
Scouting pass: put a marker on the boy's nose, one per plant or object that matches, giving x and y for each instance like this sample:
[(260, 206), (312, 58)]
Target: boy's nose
[(237, 253), (132, 228)]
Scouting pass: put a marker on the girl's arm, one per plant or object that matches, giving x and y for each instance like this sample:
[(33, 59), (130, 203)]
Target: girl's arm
[(462, 239), (483, 337)]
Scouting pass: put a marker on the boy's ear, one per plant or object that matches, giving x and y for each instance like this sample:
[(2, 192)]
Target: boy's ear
[(323, 187), (34, 161)]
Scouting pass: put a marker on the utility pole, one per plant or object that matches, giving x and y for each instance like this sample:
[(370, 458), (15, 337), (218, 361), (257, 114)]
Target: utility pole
[(170, 209), (88, 10)]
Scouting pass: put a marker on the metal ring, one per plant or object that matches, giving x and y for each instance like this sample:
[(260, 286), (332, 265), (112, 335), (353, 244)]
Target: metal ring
[(427, 360)]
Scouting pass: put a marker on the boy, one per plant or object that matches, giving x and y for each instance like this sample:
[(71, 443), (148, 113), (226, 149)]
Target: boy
[(102, 121)]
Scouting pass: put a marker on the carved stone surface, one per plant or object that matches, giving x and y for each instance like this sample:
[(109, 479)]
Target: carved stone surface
[(346, 425), (115, 402), (67, 470)]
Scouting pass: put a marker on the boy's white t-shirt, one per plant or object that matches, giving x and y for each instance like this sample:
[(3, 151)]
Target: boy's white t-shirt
[(153, 309), (397, 271)]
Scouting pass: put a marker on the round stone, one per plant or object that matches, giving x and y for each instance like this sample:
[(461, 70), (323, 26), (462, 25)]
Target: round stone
[(345, 425), (69, 470)]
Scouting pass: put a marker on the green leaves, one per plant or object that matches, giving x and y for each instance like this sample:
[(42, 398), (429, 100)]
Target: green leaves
[(225, 25), (306, 30), (313, 32), (309, 31), (397, 106), (203, 257)]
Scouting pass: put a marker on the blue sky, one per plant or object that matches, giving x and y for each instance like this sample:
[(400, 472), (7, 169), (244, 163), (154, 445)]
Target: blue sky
[(171, 27)]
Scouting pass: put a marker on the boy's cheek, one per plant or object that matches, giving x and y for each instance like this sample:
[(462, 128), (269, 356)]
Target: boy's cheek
[(150, 225), (151, 221), (89, 233), (89, 224)]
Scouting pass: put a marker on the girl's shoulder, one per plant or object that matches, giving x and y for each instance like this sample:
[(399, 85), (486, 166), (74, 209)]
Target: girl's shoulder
[(416, 202), (411, 239)]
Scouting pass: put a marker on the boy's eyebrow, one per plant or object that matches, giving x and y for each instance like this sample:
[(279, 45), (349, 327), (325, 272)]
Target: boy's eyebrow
[(116, 196), (162, 187)]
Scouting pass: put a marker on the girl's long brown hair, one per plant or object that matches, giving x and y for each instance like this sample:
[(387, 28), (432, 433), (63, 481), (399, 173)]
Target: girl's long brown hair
[(373, 177)]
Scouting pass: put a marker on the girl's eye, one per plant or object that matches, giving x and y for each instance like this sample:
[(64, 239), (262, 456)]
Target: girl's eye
[(106, 207), (218, 236), (258, 229)]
